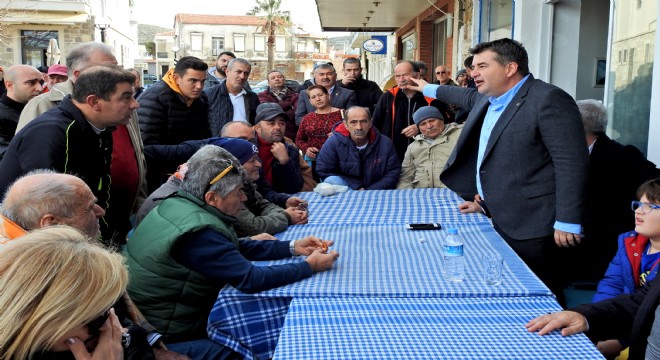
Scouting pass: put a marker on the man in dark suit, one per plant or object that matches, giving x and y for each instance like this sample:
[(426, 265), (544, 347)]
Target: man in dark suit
[(630, 317), (615, 173), (523, 151), (326, 76)]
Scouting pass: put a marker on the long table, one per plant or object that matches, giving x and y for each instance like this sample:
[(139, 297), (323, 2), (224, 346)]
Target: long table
[(428, 328), (379, 259)]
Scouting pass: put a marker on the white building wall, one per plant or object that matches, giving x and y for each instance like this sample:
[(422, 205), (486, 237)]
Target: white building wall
[(654, 125)]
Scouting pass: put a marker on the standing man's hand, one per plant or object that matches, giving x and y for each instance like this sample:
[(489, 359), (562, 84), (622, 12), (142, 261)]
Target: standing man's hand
[(279, 152), (410, 131), (566, 239), (415, 84)]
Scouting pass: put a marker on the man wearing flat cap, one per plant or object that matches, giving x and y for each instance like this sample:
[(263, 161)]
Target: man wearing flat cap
[(427, 155), (280, 161)]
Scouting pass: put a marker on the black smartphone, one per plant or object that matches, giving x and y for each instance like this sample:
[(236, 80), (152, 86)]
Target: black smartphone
[(432, 226)]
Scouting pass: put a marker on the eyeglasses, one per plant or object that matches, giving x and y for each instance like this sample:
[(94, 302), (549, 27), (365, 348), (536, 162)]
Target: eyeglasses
[(440, 72), (94, 326), (646, 207)]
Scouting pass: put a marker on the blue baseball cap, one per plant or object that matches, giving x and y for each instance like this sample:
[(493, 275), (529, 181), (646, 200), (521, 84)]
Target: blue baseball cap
[(242, 150)]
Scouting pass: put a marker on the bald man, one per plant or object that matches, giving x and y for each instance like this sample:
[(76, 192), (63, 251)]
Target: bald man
[(43, 198), (23, 83), (443, 76)]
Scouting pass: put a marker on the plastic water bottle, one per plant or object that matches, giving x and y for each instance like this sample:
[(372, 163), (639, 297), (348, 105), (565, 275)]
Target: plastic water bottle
[(454, 269)]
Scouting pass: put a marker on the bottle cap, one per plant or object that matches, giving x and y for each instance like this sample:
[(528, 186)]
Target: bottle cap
[(452, 231)]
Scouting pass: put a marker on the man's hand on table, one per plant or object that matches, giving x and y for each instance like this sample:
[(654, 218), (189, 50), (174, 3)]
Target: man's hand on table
[(297, 216), (318, 257), (294, 201), (566, 239), (570, 322), (320, 261), (471, 206)]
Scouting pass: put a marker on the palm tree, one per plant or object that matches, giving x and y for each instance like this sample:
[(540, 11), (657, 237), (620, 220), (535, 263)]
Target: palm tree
[(273, 20)]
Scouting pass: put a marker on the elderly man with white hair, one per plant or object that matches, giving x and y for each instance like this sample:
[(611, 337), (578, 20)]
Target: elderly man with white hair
[(615, 173)]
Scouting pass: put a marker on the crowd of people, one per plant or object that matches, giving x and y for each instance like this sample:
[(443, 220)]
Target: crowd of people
[(191, 179)]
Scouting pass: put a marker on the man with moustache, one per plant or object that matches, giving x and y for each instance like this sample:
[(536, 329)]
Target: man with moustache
[(326, 76), (393, 114), (358, 156), (286, 97), (23, 84), (76, 136)]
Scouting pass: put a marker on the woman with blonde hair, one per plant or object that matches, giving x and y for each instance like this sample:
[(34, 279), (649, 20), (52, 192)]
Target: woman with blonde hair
[(57, 290)]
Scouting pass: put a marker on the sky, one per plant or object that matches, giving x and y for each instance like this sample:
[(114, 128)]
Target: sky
[(161, 12)]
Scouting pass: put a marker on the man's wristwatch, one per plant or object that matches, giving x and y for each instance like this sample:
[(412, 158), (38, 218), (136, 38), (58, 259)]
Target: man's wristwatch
[(292, 248)]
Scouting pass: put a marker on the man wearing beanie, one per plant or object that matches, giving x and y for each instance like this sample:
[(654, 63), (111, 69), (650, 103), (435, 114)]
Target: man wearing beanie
[(426, 157), (258, 216), (280, 161)]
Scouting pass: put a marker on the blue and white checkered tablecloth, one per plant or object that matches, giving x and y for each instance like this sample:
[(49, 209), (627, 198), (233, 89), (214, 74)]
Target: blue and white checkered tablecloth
[(375, 261), (388, 207), (423, 328), (390, 261)]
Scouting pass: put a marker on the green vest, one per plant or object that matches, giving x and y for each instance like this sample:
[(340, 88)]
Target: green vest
[(173, 298)]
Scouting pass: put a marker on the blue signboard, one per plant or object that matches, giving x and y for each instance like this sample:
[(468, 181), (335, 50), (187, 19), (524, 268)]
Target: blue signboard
[(377, 45)]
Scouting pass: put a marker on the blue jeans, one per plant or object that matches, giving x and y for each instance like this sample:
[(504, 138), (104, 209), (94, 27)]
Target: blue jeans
[(203, 349)]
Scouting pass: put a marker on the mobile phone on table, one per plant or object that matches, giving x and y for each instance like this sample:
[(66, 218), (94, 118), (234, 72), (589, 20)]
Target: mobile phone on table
[(429, 226)]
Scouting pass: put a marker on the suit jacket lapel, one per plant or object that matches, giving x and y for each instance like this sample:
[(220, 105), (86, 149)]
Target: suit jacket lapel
[(507, 115), (334, 97), (471, 128)]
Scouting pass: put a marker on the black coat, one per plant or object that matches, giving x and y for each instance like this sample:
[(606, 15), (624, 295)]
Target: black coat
[(61, 139), (625, 317), (165, 117), (367, 92), (615, 173), (221, 110), (10, 111)]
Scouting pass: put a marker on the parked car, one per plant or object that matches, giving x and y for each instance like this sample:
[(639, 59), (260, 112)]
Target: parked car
[(263, 85)]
